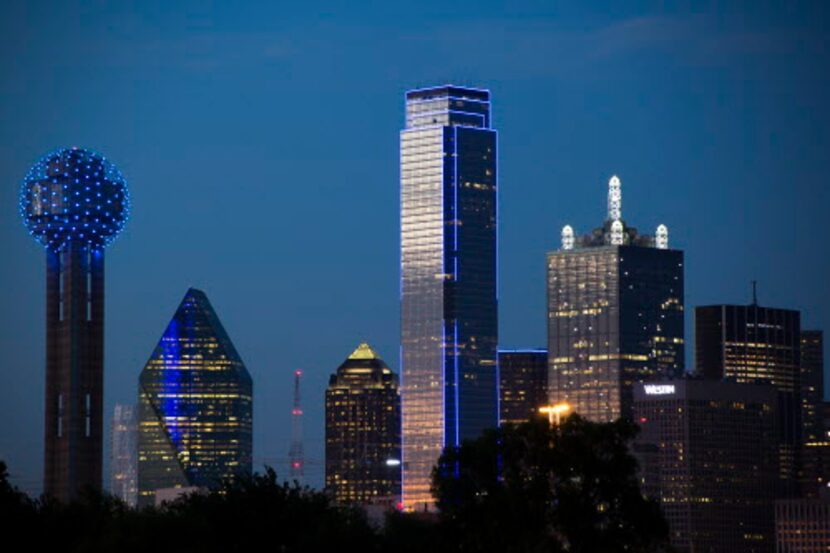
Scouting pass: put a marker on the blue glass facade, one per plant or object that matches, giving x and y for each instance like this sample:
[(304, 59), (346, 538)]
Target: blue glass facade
[(195, 405), (449, 327)]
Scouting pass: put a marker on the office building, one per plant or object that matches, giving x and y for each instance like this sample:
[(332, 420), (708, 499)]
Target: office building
[(449, 324), (74, 202), (363, 430), (124, 454), (815, 453), (802, 525), (750, 343), (195, 405), (812, 384), (615, 314), (523, 384), (708, 453)]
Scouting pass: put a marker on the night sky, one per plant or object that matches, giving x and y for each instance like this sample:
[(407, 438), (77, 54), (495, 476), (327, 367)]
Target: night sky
[(260, 143)]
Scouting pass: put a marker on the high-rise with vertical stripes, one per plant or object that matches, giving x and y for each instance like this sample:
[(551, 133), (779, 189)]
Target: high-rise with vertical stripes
[(449, 326)]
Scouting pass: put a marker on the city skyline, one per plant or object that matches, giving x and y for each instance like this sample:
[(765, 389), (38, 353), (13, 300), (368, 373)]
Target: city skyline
[(190, 226)]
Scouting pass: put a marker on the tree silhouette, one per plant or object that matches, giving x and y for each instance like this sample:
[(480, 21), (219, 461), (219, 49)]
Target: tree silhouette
[(537, 487)]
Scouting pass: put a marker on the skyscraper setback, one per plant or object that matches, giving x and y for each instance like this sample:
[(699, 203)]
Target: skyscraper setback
[(74, 202), (449, 326), (195, 405), (615, 314)]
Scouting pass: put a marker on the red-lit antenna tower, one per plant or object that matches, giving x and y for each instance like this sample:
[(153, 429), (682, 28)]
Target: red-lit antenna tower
[(295, 452)]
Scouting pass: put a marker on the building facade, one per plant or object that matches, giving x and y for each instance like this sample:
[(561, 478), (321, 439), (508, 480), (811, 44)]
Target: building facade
[(750, 343), (523, 384), (708, 452), (124, 454), (815, 453), (195, 405), (363, 430), (802, 526), (615, 314), (449, 323)]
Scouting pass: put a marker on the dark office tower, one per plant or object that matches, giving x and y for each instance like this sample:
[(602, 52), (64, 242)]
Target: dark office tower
[(708, 453), (815, 454), (615, 314), (195, 405), (802, 525), (523, 384), (74, 202), (449, 326), (812, 384), (363, 430), (124, 454), (750, 343)]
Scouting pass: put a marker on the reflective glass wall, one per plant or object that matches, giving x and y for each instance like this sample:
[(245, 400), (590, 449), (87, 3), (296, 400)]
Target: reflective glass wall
[(448, 278)]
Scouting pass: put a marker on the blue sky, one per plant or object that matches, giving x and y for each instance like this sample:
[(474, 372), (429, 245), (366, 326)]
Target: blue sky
[(260, 141)]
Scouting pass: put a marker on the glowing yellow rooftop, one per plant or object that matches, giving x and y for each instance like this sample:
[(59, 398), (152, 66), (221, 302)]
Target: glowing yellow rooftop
[(364, 351)]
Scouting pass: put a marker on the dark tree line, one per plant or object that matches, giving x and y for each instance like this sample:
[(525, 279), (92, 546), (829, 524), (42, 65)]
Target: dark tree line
[(527, 488)]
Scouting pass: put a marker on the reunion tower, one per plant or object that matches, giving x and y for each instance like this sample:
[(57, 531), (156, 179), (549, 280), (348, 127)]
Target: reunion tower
[(74, 202)]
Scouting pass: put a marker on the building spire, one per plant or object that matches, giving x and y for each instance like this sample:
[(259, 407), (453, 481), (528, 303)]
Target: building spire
[(567, 237), (614, 199), (755, 293), (661, 237)]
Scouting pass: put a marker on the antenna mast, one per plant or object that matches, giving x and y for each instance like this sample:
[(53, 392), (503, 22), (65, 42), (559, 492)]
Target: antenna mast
[(295, 453)]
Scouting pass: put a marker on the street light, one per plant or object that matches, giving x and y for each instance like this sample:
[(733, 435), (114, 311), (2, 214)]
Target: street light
[(555, 412)]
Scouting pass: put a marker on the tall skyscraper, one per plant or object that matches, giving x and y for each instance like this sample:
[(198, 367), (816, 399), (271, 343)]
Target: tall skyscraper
[(449, 323), (708, 453), (812, 384), (523, 384), (750, 343), (74, 202), (363, 430), (124, 454), (615, 314), (815, 452), (195, 405)]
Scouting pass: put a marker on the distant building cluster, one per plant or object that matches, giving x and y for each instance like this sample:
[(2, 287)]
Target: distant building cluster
[(736, 449)]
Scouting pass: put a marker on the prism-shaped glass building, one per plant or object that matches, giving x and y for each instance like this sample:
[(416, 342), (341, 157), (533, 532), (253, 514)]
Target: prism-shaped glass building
[(195, 405), (449, 326)]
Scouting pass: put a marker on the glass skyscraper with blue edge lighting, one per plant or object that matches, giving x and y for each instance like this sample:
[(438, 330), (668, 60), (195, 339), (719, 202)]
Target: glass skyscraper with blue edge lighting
[(449, 324), (195, 406)]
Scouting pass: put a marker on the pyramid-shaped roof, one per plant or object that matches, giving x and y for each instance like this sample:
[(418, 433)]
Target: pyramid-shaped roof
[(364, 351)]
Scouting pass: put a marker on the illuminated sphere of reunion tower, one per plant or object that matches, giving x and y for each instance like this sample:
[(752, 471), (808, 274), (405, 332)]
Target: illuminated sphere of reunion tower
[(74, 202)]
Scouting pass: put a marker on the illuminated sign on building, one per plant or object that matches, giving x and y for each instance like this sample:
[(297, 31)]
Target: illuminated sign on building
[(659, 389)]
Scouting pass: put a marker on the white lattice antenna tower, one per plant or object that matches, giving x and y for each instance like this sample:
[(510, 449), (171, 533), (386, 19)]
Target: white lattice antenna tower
[(661, 237), (567, 237), (614, 199)]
